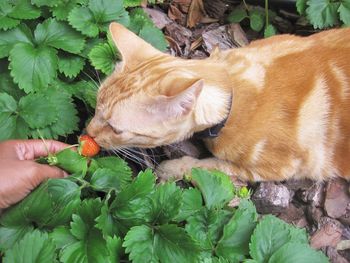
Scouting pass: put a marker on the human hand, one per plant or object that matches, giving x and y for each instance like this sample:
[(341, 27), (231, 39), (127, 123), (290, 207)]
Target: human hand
[(19, 173)]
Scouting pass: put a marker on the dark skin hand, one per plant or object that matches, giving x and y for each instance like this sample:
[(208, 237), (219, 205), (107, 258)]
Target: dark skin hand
[(19, 173)]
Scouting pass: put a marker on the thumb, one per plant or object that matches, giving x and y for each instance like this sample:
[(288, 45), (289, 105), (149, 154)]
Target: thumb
[(44, 171)]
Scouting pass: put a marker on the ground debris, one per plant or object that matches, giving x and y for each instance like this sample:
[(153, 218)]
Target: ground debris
[(328, 235), (337, 198), (271, 198)]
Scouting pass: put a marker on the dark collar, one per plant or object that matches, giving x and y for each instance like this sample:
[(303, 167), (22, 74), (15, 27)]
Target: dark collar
[(212, 132)]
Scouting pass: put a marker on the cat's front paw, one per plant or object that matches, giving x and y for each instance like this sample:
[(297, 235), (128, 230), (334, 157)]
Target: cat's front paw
[(174, 170)]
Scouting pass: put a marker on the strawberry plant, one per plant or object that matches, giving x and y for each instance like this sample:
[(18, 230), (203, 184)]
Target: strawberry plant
[(325, 13), (102, 214), (258, 17), (48, 49)]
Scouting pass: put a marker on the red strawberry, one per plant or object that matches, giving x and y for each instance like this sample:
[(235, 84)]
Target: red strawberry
[(87, 146)]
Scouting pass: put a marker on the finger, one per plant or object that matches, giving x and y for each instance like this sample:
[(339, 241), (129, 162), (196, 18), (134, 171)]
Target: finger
[(31, 149), (42, 172)]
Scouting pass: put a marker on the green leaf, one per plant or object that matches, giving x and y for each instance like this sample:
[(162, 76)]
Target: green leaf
[(82, 19), (11, 235), (301, 253), (33, 68), (131, 206), (37, 115), (131, 3), (154, 36), (270, 234), (114, 246), (8, 127), (84, 90), (322, 13), (70, 65), (35, 247), (165, 203), (97, 16), (344, 12), (139, 243), (191, 203), (45, 2), (59, 35), (67, 121), (7, 86), (61, 11), (8, 105), (297, 235), (106, 11), (90, 247), (301, 6), (142, 25), (103, 57), (105, 179), (61, 237), (234, 244), (216, 188), (7, 22), (116, 164), (206, 227), (167, 243), (256, 20), (23, 9), (237, 14), (106, 223), (173, 244), (12, 37), (84, 219), (90, 44), (8, 116), (51, 204), (269, 31)]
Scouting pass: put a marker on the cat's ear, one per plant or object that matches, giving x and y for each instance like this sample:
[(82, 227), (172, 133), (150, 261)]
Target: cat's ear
[(132, 48), (181, 104)]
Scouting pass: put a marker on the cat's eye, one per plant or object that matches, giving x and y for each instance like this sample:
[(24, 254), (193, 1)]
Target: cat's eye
[(116, 131)]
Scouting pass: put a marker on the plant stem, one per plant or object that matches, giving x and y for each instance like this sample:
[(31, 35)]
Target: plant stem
[(266, 12), (245, 5)]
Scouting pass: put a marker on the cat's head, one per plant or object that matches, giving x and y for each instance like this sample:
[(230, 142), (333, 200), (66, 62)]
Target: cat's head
[(147, 101)]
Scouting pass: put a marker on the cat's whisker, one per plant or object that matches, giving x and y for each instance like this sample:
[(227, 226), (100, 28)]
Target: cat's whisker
[(92, 79), (142, 153), (133, 157), (98, 77)]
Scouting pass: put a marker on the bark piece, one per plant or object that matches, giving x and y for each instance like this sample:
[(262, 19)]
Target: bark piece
[(195, 13), (295, 184), (294, 215), (334, 256), (328, 235), (179, 34), (159, 18), (337, 198), (218, 37)]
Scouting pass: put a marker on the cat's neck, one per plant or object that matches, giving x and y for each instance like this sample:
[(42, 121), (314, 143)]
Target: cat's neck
[(212, 107)]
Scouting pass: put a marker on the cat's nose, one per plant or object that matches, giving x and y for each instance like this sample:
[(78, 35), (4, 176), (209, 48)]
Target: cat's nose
[(91, 129)]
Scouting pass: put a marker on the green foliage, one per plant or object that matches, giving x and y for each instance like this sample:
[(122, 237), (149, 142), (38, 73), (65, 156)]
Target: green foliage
[(258, 17), (48, 48), (325, 13), (103, 215)]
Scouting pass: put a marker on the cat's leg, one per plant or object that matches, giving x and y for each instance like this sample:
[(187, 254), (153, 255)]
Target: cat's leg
[(177, 168)]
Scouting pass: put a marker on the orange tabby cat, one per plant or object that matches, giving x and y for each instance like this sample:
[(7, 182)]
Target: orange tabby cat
[(286, 100)]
